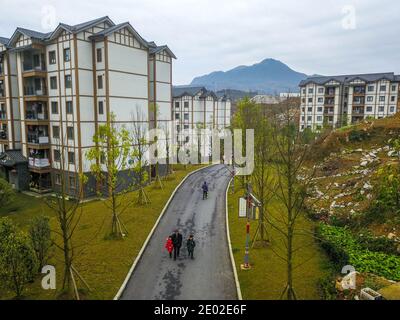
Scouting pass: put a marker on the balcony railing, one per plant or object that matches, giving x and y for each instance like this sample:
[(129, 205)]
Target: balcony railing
[(31, 91), (36, 139), (34, 115), (3, 115), (39, 162)]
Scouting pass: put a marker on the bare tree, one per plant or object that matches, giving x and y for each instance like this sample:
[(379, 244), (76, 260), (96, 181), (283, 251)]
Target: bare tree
[(292, 184), (68, 211), (140, 147)]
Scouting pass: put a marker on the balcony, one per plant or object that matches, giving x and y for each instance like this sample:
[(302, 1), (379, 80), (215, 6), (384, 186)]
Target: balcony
[(3, 132), (38, 137), (329, 111), (3, 114), (359, 101), (329, 101), (36, 111), (330, 92), (2, 90), (33, 63), (35, 89), (359, 91)]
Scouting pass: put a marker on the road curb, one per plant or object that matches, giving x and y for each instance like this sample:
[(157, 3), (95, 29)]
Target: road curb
[(238, 290), (139, 256)]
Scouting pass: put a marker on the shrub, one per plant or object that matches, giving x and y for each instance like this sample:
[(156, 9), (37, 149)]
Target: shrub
[(6, 193), (357, 136), (341, 244), (18, 263), (39, 234)]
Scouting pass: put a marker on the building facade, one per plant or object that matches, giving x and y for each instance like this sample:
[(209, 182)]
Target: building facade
[(198, 108), (60, 86), (343, 100)]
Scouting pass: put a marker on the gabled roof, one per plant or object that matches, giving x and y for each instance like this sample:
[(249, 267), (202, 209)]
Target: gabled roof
[(80, 27), (29, 33), (345, 79), (187, 91), (156, 49), (117, 27), (397, 78), (12, 157), (4, 41)]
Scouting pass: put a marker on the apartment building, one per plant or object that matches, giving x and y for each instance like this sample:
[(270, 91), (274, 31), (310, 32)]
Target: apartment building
[(67, 82), (199, 108), (336, 101)]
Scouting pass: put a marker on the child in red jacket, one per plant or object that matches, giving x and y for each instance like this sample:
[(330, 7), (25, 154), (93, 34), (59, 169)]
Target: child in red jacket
[(169, 246)]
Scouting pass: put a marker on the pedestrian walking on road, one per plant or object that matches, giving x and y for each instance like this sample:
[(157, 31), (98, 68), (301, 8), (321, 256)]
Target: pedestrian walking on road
[(169, 246), (177, 242), (190, 244), (205, 190)]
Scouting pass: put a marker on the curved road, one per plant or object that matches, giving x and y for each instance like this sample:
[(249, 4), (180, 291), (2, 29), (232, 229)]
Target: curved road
[(210, 274)]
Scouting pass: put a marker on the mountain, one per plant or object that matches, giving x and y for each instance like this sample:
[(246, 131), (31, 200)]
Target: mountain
[(269, 76)]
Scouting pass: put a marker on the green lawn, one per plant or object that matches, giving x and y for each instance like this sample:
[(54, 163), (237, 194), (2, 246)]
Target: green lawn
[(103, 263), (266, 279)]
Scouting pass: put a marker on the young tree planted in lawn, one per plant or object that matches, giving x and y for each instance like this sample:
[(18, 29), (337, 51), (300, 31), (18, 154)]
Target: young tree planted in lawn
[(39, 234), (68, 211), (140, 147), (108, 158), (292, 185)]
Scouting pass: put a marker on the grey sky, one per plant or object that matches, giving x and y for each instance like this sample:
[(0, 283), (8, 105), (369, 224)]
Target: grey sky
[(310, 36)]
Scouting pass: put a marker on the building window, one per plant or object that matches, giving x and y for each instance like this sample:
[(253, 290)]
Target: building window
[(57, 178), (70, 133), (68, 81), (67, 55), (311, 91), (394, 87), (369, 109), (56, 155), (319, 118), (72, 182), (371, 88), (56, 132), (176, 105), (319, 109), (186, 104), (52, 57), (370, 99), (99, 82), (381, 109), (309, 118), (185, 126), (70, 109), (178, 128), (383, 88), (382, 98), (71, 157), (320, 100), (392, 109), (309, 109), (177, 116), (321, 90), (186, 116), (101, 107), (99, 55), (102, 157), (310, 100), (54, 107), (393, 98), (53, 83)]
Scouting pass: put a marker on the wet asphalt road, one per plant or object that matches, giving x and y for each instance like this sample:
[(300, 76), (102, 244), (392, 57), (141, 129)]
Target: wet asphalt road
[(210, 274)]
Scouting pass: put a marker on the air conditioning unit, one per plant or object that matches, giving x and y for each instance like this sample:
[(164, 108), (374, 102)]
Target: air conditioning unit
[(369, 294)]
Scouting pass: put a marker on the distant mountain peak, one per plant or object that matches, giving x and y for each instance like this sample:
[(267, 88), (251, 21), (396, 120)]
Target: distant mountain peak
[(268, 76)]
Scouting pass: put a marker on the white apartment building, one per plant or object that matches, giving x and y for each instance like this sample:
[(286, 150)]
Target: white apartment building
[(199, 108), (337, 101), (59, 86)]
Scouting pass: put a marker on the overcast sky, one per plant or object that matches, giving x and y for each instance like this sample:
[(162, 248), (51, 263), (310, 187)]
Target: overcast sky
[(311, 36)]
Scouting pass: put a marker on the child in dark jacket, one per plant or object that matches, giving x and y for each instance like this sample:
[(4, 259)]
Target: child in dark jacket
[(190, 244), (169, 246)]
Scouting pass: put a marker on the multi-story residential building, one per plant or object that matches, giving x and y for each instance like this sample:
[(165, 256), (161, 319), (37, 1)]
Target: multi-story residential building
[(341, 100), (198, 108), (69, 81)]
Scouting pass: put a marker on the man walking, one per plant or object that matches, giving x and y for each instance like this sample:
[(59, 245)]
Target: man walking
[(177, 242), (205, 190), (190, 245)]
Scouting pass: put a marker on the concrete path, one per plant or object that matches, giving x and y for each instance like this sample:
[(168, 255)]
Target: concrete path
[(210, 274)]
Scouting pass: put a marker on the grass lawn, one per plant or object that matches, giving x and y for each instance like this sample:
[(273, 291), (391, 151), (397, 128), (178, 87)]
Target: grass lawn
[(103, 263), (267, 278)]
